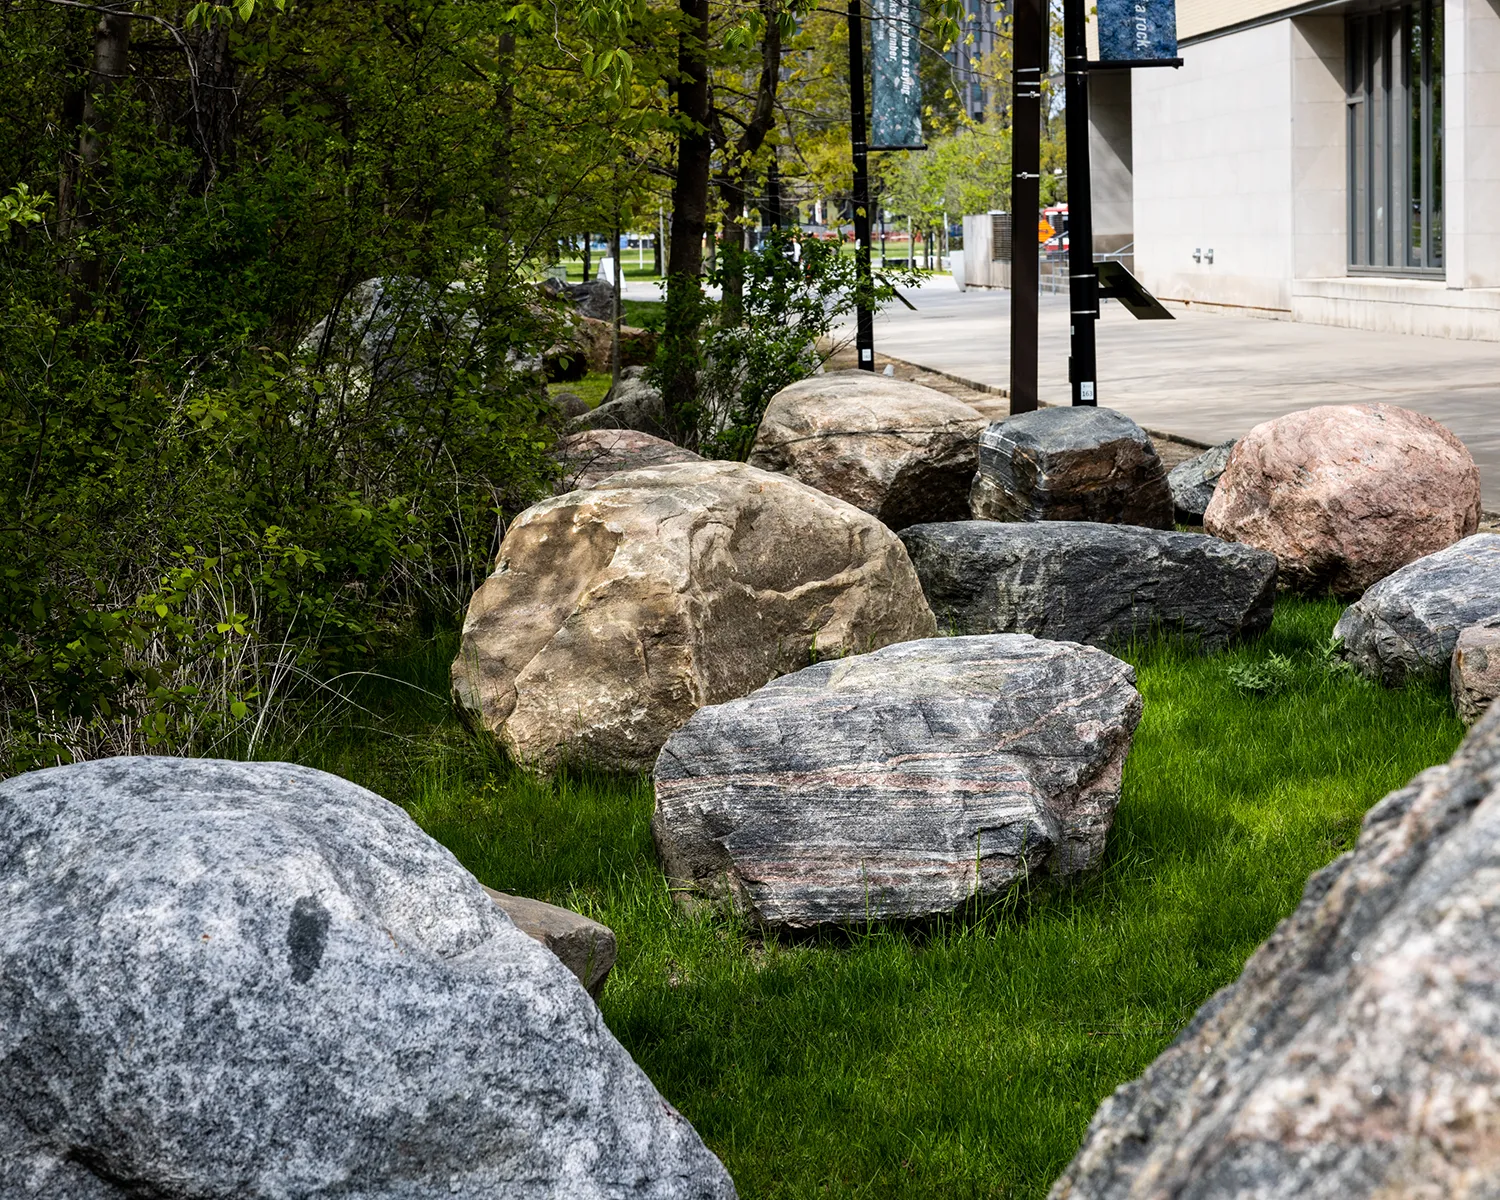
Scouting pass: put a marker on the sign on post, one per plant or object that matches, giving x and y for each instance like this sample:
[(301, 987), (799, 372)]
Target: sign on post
[(1137, 33), (896, 106)]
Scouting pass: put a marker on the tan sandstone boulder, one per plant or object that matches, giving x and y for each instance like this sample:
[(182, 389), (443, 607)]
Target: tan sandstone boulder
[(901, 451), (617, 612), (1345, 494)]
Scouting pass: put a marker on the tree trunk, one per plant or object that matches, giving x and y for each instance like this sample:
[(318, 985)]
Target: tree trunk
[(731, 248), (656, 245), (111, 65), (499, 266), (215, 104), (732, 187), (588, 256), (684, 310)]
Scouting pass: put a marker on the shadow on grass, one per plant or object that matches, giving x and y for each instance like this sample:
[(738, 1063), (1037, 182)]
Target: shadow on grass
[(955, 1058)]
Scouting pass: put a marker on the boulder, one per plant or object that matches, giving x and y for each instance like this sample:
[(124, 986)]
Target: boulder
[(1345, 494), (900, 783), (633, 404), (1475, 670), (616, 612), (1358, 1054), (585, 947), (226, 980), (898, 450), (594, 299), (595, 454), (1193, 482), (569, 404), (1079, 581), (1070, 464), (596, 339), (1405, 626)]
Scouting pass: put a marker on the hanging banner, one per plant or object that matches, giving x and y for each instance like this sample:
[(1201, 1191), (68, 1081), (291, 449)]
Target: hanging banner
[(896, 105), (1138, 32)]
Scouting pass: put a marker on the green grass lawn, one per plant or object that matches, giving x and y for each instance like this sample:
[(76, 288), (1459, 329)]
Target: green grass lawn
[(593, 387), (962, 1059)]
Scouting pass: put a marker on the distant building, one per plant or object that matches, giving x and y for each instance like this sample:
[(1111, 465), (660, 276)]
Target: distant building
[(970, 62), (1328, 162)]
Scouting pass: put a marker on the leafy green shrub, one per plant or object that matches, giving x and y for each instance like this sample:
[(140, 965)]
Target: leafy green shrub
[(795, 291), (1269, 676)]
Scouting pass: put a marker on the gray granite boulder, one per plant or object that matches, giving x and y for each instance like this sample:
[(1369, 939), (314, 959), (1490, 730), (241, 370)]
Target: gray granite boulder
[(1192, 483), (900, 783), (1070, 464), (1405, 626), (1358, 1054), (1080, 581), (229, 981), (1474, 674), (634, 404)]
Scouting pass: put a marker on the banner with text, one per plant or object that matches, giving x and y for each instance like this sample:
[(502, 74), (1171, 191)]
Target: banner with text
[(896, 105), (1137, 30)]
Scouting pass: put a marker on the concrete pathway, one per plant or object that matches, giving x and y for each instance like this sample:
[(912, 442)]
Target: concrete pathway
[(1209, 376)]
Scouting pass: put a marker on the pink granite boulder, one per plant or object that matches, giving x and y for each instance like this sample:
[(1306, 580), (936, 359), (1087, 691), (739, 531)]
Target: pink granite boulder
[(1475, 670), (1345, 494)]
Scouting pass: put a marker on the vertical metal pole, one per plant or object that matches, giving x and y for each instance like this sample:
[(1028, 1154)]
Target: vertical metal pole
[(1029, 57), (864, 315), (1083, 278)]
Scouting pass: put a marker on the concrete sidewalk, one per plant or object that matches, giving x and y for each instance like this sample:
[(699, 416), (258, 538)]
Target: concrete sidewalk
[(1207, 375)]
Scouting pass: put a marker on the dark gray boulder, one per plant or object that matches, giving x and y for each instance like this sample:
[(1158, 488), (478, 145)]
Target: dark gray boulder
[(900, 783), (1192, 483), (1358, 1054), (595, 298), (1070, 464), (1405, 626), (245, 980), (633, 404), (1080, 581)]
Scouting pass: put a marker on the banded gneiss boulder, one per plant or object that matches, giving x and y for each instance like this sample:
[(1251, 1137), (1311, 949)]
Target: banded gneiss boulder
[(899, 783)]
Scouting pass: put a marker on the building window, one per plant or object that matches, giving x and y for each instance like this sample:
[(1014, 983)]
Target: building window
[(1395, 113)]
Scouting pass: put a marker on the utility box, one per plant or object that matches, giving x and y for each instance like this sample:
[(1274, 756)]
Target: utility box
[(987, 249)]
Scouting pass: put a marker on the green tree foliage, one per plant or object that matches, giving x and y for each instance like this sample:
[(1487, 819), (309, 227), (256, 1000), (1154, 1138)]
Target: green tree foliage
[(205, 504)]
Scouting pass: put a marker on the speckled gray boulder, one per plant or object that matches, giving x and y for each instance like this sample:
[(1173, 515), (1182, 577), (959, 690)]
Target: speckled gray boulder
[(899, 783), (1405, 626), (1080, 581), (1358, 1054), (223, 980), (1192, 483), (1070, 464)]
